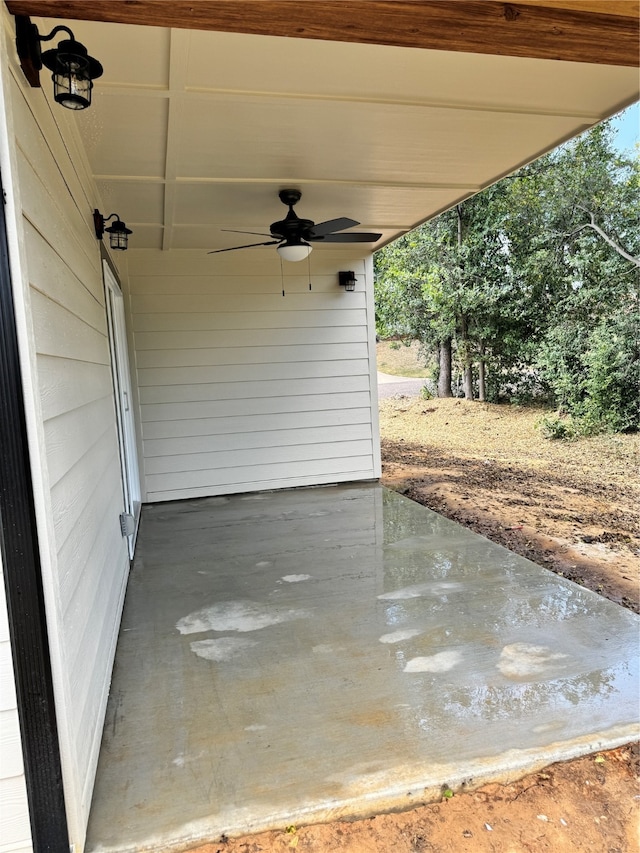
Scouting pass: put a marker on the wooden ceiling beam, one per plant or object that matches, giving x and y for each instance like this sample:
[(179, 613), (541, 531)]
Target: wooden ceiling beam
[(555, 29)]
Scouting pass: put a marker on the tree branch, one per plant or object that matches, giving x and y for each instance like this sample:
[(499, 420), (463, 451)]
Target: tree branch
[(605, 237)]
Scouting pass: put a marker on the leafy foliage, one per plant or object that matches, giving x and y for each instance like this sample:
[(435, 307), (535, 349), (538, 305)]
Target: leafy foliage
[(535, 283)]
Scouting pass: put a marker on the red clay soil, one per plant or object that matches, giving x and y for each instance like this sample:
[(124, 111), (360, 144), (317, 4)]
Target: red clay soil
[(589, 805)]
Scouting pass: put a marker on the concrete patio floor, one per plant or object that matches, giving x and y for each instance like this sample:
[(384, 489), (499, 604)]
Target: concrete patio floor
[(304, 655)]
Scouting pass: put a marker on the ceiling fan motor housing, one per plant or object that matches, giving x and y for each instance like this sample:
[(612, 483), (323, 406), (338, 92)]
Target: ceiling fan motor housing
[(291, 228)]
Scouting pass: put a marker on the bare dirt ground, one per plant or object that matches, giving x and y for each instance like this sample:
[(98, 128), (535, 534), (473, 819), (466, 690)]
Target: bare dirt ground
[(589, 805), (571, 507)]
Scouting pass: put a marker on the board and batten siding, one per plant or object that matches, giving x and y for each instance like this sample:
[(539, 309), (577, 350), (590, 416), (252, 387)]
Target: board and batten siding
[(71, 418), (243, 389)]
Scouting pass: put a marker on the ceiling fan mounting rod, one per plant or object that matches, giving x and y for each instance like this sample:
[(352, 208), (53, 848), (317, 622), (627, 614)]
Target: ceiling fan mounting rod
[(290, 197)]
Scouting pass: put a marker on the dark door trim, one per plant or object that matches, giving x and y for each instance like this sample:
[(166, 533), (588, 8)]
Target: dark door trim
[(23, 583)]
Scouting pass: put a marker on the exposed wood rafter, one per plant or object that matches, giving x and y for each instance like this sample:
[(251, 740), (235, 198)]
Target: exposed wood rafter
[(599, 32)]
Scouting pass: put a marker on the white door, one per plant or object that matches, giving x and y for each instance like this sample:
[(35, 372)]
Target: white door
[(124, 411)]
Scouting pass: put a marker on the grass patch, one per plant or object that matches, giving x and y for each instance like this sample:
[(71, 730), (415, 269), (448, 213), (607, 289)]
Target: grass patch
[(396, 359)]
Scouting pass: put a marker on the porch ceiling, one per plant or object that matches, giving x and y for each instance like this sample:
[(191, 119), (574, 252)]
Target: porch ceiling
[(193, 131)]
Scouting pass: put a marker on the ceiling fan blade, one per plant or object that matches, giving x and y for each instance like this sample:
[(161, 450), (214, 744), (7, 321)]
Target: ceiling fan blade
[(353, 237), (331, 225), (235, 231), (248, 246)]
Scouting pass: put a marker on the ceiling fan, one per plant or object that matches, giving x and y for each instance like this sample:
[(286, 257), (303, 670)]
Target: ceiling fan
[(294, 236)]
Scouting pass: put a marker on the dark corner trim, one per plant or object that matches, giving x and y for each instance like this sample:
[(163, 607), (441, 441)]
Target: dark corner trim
[(23, 583)]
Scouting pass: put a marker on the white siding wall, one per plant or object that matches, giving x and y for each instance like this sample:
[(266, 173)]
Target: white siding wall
[(15, 832), (242, 389), (59, 297)]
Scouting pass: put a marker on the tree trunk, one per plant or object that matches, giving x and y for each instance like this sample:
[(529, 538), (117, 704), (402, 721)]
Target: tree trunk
[(482, 385), (467, 375), (444, 376), (467, 382)]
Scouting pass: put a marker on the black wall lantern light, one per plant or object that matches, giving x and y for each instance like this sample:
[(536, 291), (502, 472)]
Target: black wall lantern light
[(73, 69), (118, 232), (347, 280)]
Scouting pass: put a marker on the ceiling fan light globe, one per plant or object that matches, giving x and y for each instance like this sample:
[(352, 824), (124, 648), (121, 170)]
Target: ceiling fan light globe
[(294, 251)]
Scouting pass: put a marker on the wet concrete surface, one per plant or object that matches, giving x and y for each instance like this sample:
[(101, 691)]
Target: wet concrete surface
[(303, 655)]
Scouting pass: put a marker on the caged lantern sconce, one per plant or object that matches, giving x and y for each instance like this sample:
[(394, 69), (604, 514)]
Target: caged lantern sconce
[(347, 280), (73, 69), (118, 232)]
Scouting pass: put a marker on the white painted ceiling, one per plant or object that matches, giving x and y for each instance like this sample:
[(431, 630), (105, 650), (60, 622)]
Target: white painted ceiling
[(192, 132)]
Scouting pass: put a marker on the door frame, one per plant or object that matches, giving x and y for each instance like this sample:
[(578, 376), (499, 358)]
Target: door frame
[(123, 400)]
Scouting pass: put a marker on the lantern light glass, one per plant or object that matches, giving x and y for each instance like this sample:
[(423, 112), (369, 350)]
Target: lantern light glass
[(118, 235), (71, 77)]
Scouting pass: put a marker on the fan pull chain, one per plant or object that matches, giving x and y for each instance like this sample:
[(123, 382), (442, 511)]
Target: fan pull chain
[(309, 268), (282, 274)]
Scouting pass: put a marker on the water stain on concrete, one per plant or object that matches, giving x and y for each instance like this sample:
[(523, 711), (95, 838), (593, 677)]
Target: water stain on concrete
[(221, 650), (421, 589), (441, 662), (399, 636), (522, 660), (239, 616)]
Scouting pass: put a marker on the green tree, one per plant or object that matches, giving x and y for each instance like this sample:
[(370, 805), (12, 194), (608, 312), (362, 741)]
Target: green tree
[(573, 223), (531, 284), (450, 285)]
